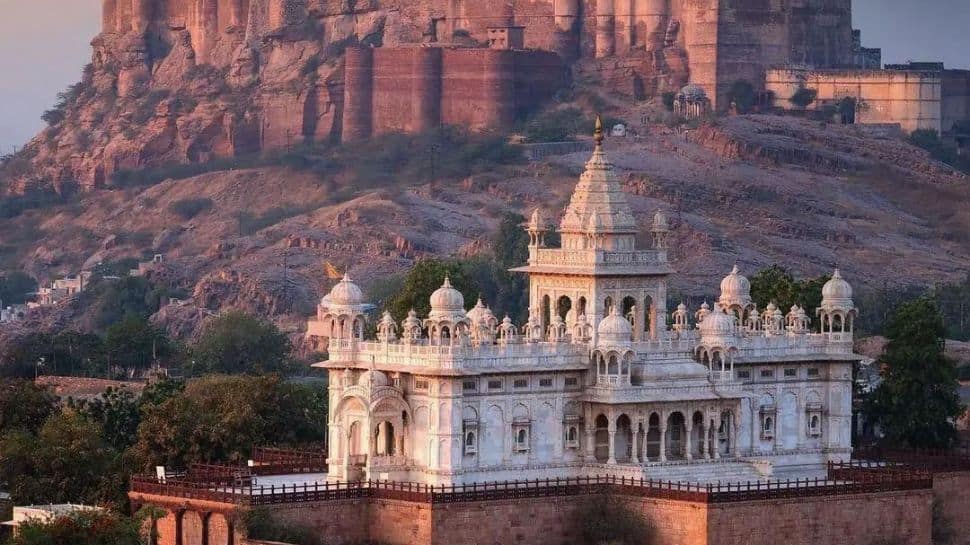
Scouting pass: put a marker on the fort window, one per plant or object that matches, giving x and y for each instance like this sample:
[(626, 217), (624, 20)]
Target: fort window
[(545, 383), (767, 373), (768, 421), (813, 372), (521, 439), (495, 385), (469, 385), (572, 382), (520, 383), (470, 446), (744, 374), (791, 372), (420, 384)]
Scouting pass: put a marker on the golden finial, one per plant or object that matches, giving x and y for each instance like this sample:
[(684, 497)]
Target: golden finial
[(598, 133)]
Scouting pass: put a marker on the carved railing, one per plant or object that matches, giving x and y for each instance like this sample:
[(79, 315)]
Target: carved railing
[(843, 479)]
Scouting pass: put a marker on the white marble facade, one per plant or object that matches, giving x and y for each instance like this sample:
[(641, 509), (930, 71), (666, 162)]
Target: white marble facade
[(595, 382)]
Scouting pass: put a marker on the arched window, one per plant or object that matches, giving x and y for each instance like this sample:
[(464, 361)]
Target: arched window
[(571, 435), (769, 424), (522, 438), (814, 423)]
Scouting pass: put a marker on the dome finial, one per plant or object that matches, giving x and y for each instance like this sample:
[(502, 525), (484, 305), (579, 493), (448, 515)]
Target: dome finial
[(598, 134)]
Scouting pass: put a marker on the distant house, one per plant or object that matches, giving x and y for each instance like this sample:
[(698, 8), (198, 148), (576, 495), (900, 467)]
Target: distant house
[(42, 513), (963, 424)]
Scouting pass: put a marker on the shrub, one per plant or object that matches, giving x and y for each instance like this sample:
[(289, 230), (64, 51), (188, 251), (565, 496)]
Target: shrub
[(803, 97), (668, 99), (559, 125), (742, 95), (190, 208), (930, 141)]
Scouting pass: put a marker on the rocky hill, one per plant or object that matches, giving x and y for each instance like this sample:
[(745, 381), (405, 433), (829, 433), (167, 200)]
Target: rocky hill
[(753, 189)]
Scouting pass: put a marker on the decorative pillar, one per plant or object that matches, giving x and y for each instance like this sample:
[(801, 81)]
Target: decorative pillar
[(689, 426), (612, 432), (717, 450), (705, 441), (663, 441), (590, 444)]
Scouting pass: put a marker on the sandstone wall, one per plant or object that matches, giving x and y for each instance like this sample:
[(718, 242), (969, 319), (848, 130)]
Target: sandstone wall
[(414, 89), (897, 517), (953, 490), (956, 98), (910, 98)]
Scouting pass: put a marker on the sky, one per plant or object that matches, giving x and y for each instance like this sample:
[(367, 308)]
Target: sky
[(45, 43)]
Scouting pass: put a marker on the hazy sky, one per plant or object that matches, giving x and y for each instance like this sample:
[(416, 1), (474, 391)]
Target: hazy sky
[(45, 43)]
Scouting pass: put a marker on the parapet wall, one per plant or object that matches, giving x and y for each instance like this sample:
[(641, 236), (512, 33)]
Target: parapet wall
[(902, 517)]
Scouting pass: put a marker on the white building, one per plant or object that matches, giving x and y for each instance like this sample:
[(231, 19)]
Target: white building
[(595, 382), (43, 513)]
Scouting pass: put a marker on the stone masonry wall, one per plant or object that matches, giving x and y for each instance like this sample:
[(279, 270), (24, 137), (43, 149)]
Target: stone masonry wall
[(953, 490), (898, 517)]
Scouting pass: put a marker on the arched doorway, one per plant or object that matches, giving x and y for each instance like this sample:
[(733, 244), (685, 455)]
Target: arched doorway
[(602, 439), (676, 436), (697, 435), (623, 448), (653, 438)]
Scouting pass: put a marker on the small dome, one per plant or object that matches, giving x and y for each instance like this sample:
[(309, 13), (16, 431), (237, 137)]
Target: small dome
[(735, 289), (717, 323), (447, 299), (614, 329), (693, 91), (682, 307), (345, 293), (373, 378), (660, 222), (477, 313), (837, 292)]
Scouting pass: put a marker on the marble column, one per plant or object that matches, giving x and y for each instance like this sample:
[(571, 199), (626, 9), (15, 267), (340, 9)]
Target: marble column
[(705, 440), (612, 458), (717, 428), (689, 426), (663, 443), (591, 445)]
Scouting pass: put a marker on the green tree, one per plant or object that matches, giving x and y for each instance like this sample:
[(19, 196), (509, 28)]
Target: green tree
[(237, 342), (67, 461), (776, 285), (803, 97), (117, 412), (15, 286), (87, 527), (24, 406), (917, 401), (742, 95), (67, 352), (111, 300), (134, 344), (221, 418), (422, 280)]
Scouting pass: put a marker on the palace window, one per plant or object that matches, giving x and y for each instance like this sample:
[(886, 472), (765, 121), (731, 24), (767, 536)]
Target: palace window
[(791, 373), (813, 372), (469, 385), (545, 383), (744, 374), (471, 446), (495, 385), (767, 373), (572, 382), (420, 384), (520, 383), (572, 437), (522, 440), (768, 418), (813, 414)]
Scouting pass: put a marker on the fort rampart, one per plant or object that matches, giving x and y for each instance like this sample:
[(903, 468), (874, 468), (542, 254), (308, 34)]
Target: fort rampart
[(896, 507)]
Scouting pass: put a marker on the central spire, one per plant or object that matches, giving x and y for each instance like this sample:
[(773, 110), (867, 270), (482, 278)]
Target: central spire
[(598, 202)]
